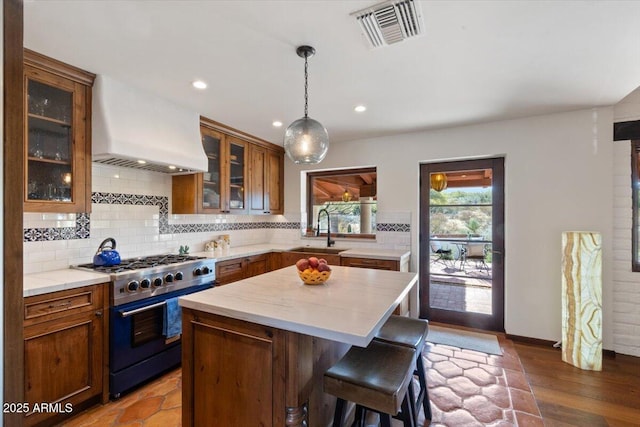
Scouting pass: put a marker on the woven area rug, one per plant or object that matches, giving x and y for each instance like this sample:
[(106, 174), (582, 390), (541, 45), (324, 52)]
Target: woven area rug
[(485, 343)]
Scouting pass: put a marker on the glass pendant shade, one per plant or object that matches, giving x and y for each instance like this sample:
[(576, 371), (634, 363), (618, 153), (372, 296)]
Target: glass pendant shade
[(306, 141)]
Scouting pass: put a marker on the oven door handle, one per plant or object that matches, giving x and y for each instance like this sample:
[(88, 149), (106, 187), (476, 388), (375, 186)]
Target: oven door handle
[(141, 309)]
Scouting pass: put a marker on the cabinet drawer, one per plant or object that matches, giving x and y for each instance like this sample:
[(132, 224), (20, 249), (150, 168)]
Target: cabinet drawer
[(54, 305), (379, 264), (229, 271)]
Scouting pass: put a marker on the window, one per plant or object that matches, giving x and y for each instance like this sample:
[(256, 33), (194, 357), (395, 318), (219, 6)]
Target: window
[(349, 195), (635, 197)]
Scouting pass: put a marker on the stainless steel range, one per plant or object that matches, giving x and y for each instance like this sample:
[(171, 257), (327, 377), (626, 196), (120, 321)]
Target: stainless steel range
[(139, 278), (141, 288)]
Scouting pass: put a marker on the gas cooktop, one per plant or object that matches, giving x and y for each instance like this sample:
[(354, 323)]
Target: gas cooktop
[(132, 264), (139, 278)]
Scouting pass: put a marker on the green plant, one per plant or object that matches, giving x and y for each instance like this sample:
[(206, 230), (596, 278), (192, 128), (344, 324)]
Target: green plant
[(473, 226)]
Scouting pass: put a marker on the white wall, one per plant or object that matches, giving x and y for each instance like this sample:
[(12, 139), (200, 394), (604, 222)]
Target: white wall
[(558, 177)]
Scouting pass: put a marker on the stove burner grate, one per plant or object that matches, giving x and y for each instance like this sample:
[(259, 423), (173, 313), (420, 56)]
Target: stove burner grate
[(132, 264)]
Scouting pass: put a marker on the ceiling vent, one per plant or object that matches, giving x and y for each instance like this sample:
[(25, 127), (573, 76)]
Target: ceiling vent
[(390, 22)]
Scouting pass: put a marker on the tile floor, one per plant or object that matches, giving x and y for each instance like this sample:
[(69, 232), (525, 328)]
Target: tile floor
[(466, 388)]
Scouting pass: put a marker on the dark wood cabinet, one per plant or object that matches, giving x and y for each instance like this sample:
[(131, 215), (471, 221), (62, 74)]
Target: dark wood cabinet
[(266, 186), (245, 175), (57, 148), (231, 361), (222, 188), (290, 258), (65, 352), (378, 264), (235, 269)]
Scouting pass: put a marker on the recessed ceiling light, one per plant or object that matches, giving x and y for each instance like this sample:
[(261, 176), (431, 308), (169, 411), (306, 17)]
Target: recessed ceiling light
[(199, 84), (360, 108), (172, 167), (277, 124), (142, 162)]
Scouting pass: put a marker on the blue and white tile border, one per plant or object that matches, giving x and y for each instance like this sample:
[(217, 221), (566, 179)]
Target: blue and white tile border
[(82, 228)]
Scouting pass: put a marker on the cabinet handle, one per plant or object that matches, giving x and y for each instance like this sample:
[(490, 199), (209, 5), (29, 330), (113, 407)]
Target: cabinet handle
[(99, 313), (62, 304)]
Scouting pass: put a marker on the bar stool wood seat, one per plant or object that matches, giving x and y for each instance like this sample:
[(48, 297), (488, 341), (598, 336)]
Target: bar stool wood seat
[(376, 378), (412, 333)]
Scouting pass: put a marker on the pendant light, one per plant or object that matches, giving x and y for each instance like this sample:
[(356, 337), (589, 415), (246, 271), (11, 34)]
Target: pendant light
[(306, 141), (438, 181)]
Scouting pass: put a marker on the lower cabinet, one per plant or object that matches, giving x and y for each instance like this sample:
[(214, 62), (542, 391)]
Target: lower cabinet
[(378, 264), (65, 344), (290, 258), (235, 269)]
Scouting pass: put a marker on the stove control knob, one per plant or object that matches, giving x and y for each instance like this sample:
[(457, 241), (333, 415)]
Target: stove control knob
[(197, 272), (157, 282), (145, 283), (132, 286), (168, 278), (179, 275), (206, 270)]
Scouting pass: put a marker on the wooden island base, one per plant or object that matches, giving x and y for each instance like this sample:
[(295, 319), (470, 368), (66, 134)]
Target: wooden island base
[(237, 373)]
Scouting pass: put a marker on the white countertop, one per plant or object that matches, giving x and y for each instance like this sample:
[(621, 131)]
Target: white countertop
[(60, 280), (250, 250), (240, 251), (350, 307), (374, 253)]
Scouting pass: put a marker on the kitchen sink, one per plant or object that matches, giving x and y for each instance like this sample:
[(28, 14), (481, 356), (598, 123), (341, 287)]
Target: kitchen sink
[(317, 250)]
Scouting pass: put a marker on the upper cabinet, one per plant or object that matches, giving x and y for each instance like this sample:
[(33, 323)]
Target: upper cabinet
[(239, 179), (57, 108), (267, 176)]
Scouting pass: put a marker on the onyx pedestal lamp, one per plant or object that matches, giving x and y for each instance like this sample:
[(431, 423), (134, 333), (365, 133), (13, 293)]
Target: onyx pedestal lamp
[(582, 299)]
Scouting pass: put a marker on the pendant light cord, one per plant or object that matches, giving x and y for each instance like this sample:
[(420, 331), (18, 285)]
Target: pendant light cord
[(306, 87)]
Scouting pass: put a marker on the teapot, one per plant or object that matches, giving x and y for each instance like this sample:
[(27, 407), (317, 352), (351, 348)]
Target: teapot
[(106, 256)]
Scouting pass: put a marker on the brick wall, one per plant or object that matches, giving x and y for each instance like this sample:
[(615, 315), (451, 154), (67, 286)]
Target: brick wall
[(626, 284)]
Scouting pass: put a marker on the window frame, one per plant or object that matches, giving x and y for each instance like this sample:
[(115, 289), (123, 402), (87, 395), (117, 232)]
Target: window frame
[(309, 202), (635, 187)]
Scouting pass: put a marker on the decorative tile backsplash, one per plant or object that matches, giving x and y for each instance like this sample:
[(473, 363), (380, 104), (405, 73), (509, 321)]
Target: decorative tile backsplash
[(133, 207), (82, 228)]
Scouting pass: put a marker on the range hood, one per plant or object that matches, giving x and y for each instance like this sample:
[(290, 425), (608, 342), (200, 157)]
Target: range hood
[(134, 128)]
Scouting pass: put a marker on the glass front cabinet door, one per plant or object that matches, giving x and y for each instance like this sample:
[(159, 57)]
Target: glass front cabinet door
[(237, 172), (57, 134), (212, 191)]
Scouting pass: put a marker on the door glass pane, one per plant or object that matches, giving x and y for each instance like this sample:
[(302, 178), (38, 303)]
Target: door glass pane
[(236, 162), (211, 178), (460, 221), (49, 146)]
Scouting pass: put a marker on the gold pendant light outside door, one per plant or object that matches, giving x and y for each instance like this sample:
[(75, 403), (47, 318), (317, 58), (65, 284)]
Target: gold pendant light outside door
[(438, 181)]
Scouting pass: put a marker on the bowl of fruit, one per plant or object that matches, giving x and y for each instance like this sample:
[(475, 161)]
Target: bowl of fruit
[(313, 271)]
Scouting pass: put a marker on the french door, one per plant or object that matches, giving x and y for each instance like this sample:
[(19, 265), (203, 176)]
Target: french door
[(462, 243)]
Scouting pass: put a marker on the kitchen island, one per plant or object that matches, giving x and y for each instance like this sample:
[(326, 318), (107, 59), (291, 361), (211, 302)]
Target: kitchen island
[(254, 352)]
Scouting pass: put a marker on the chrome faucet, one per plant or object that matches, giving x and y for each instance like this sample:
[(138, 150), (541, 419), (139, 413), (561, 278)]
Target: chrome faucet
[(329, 241)]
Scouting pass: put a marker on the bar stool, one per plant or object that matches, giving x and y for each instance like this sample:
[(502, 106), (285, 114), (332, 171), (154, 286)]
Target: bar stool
[(412, 333), (375, 378)]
